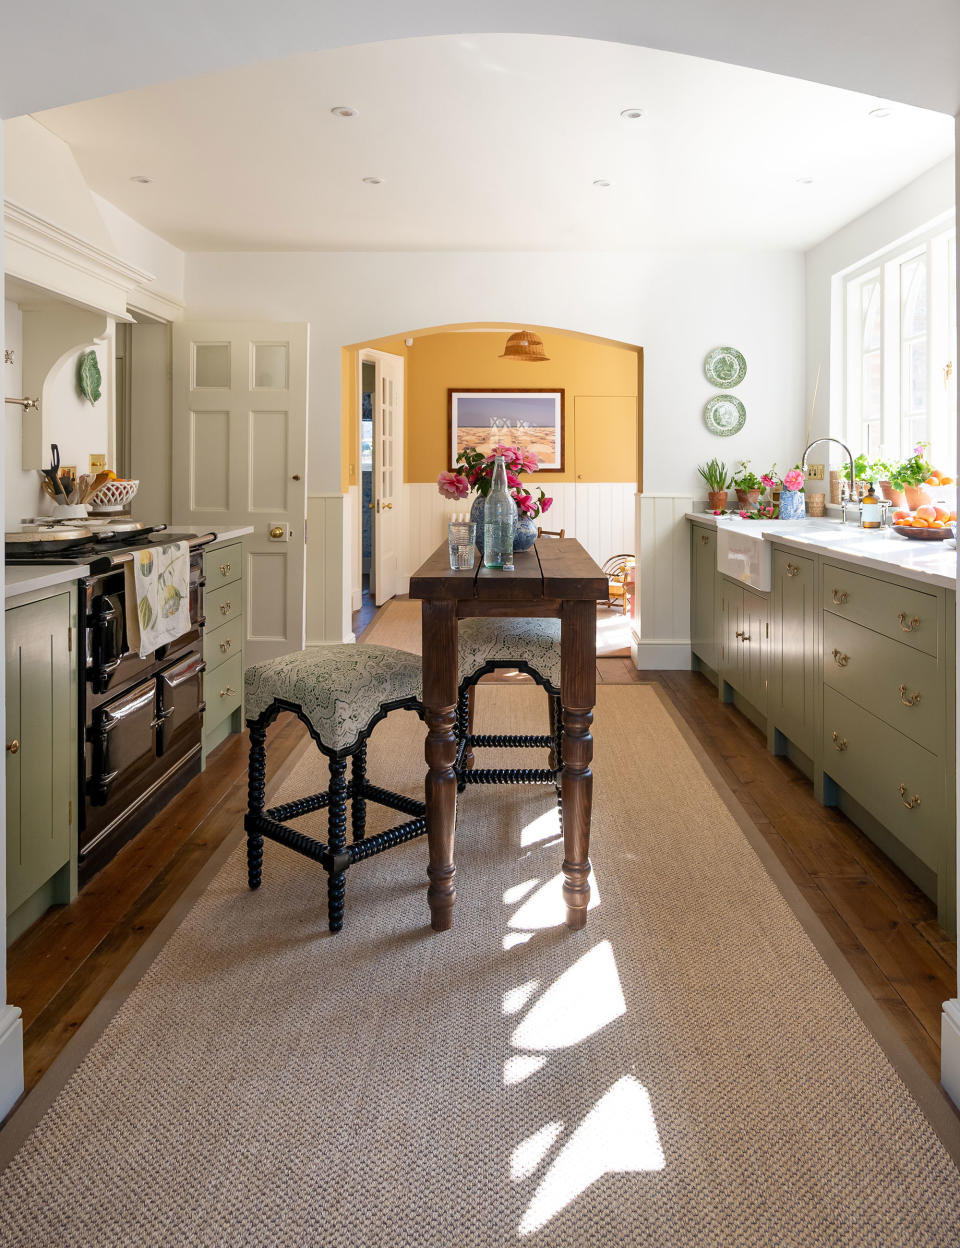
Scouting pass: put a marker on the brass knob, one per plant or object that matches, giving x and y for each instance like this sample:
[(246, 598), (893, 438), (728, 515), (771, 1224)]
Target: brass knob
[(295, 477), (226, 608), (226, 693), (792, 569), (225, 569), (840, 659), (225, 645), (277, 531), (13, 747), (913, 801), (388, 506)]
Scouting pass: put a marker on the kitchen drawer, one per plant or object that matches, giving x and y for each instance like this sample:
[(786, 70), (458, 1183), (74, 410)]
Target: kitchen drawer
[(223, 604), (223, 691), (220, 644), (223, 565), (873, 762), (907, 615), (899, 684)]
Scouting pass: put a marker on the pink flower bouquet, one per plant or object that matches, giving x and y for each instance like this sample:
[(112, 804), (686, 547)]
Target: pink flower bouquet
[(475, 472), (793, 480)]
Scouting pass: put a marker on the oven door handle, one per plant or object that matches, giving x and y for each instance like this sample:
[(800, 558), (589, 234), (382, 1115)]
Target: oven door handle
[(161, 716)]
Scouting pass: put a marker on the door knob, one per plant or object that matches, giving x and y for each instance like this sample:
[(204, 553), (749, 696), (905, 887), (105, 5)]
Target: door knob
[(277, 531), (13, 747), (295, 477)]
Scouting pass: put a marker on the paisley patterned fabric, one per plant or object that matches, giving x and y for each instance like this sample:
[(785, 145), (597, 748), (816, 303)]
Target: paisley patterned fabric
[(338, 688), (532, 641)]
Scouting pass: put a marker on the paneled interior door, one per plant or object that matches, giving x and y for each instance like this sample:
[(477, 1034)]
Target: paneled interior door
[(387, 472), (239, 458)]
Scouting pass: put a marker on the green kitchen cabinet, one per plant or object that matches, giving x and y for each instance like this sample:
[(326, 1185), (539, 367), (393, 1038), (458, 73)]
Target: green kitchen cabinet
[(703, 596), (743, 627), (791, 667), (223, 643), (41, 751)]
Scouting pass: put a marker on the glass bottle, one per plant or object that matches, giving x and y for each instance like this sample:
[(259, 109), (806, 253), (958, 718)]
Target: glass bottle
[(871, 513), (499, 518)]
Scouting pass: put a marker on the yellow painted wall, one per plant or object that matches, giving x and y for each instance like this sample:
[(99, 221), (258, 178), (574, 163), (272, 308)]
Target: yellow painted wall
[(601, 381), (603, 399)]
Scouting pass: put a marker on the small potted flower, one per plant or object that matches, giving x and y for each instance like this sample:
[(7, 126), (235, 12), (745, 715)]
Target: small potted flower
[(747, 485), (792, 501), (772, 484), (718, 483), (474, 471)]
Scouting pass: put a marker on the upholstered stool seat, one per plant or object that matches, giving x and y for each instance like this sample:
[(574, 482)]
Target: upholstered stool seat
[(341, 693), (532, 646)]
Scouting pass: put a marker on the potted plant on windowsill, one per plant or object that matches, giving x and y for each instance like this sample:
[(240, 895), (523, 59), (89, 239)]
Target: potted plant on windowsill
[(747, 485), (911, 476), (718, 482)]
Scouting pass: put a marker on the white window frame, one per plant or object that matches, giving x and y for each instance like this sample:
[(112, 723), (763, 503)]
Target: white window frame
[(933, 241)]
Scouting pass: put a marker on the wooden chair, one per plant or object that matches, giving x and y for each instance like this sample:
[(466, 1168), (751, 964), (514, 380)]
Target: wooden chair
[(341, 693), (551, 532), (617, 569)]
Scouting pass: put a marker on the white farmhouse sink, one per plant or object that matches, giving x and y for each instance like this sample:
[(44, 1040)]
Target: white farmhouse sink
[(743, 554)]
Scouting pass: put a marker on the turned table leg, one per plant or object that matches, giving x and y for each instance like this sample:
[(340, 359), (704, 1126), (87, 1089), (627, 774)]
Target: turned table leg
[(439, 707), (578, 680)]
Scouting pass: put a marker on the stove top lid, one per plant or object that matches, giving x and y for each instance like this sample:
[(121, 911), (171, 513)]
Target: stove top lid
[(40, 531)]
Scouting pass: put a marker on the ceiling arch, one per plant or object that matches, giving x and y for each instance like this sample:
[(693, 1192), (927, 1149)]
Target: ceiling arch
[(62, 51)]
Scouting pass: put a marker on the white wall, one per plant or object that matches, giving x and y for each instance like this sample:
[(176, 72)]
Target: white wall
[(908, 210), (140, 246)]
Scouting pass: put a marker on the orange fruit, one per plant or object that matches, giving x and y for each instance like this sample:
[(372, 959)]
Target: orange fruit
[(936, 524), (948, 480), (952, 515), (900, 516), (943, 513), (920, 523), (906, 522), (926, 512), (932, 481)]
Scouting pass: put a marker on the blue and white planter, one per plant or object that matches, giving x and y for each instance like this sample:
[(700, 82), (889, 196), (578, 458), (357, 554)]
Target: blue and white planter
[(524, 531), (793, 505)]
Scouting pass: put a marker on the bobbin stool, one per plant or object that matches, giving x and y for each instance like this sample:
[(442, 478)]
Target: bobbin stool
[(528, 645), (341, 693)]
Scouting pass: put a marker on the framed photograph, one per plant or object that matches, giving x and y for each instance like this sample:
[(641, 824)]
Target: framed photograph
[(530, 419)]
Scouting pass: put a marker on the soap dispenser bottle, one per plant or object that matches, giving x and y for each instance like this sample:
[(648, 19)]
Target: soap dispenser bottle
[(871, 513)]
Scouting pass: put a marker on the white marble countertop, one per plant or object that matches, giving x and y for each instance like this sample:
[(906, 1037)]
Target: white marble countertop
[(931, 563), (27, 578)]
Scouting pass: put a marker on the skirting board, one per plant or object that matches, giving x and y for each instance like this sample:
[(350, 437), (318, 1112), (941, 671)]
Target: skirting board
[(950, 1049), (11, 1058), (655, 655)]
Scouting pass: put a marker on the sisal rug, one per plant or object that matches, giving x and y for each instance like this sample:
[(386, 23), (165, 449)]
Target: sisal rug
[(686, 1071), (397, 623)]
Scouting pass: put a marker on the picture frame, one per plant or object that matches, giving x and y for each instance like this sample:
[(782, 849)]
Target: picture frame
[(532, 419)]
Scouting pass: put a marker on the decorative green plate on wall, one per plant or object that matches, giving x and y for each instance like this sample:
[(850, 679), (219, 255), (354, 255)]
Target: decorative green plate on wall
[(724, 367), (88, 376), (724, 415)]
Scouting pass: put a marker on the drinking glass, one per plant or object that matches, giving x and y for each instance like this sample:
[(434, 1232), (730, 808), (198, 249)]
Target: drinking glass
[(461, 536)]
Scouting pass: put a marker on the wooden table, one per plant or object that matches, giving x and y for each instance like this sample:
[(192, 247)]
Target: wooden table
[(557, 579)]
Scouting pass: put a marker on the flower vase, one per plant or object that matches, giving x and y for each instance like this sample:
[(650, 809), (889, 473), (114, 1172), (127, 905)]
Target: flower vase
[(476, 515), (792, 504), (525, 534)]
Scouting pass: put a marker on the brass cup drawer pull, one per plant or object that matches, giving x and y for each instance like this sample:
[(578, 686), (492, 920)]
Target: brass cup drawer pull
[(228, 692), (913, 801), (908, 626), (792, 569), (840, 658), (13, 747), (739, 635), (840, 596), (225, 645), (839, 743), (908, 699), (226, 608), (225, 569), (743, 636)]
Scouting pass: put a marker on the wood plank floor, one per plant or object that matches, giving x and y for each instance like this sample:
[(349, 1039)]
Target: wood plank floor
[(886, 928)]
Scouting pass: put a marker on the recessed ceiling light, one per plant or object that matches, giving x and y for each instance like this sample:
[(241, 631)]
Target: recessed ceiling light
[(632, 114), (373, 181), (879, 112), (141, 177), (601, 182), (804, 181), (344, 110)]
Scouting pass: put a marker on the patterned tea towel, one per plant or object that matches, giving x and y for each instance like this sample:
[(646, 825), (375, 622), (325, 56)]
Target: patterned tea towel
[(157, 580)]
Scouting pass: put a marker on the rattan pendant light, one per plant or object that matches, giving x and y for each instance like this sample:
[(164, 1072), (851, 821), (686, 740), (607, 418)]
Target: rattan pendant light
[(525, 346)]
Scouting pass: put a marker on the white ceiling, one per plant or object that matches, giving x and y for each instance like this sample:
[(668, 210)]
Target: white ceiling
[(493, 142), (61, 51)]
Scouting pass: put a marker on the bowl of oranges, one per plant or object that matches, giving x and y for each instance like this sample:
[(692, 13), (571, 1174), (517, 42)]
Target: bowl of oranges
[(929, 523)]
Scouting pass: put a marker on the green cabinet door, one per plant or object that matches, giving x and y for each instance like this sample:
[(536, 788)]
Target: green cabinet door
[(753, 634), (703, 597), (39, 766), (791, 668)]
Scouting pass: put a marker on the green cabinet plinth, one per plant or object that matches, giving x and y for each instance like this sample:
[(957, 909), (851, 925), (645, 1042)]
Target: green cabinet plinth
[(41, 753)]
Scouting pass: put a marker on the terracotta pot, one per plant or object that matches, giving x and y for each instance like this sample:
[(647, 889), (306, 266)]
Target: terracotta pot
[(748, 499), (717, 500), (917, 496), (894, 496)]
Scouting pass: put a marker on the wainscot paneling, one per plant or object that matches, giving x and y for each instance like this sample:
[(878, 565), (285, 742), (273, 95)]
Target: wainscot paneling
[(599, 515), (662, 628), (329, 546)]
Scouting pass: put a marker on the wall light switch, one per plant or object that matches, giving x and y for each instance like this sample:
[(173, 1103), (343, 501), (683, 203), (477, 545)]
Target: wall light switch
[(98, 463), (815, 472)]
